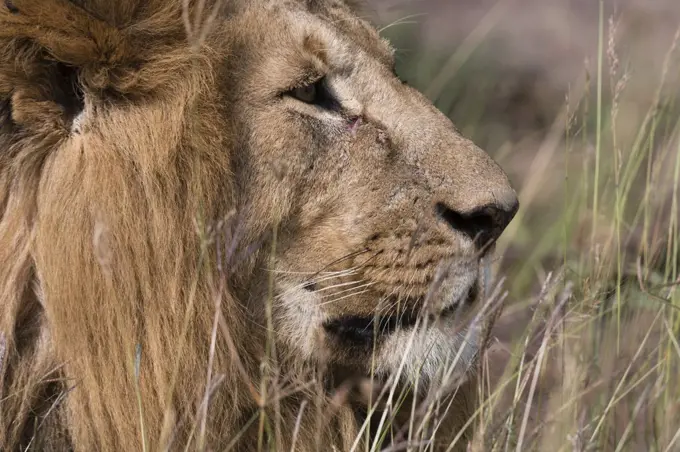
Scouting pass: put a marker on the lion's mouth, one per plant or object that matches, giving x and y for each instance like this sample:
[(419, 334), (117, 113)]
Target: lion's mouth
[(364, 330)]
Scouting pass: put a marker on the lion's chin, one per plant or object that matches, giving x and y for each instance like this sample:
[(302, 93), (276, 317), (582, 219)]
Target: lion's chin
[(432, 353), (439, 349), (435, 354), (424, 359), (433, 343)]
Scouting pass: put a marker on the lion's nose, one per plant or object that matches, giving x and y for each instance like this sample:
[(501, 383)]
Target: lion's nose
[(484, 222)]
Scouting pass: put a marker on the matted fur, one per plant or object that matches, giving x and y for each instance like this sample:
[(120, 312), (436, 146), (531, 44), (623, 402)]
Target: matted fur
[(139, 192)]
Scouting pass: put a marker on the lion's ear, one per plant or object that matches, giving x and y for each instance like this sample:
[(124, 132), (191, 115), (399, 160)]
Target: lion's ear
[(70, 34), (126, 47), (56, 53)]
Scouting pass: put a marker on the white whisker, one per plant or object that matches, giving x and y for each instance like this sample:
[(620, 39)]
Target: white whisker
[(334, 286), (363, 286), (342, 298)]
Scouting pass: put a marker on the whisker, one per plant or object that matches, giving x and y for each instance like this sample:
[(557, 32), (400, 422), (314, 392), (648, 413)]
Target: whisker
[(345, 257), (316, 281), (287, 272), (355, 288), (334, 286), (306, 283), (349, 256), (342, 298), (386, 302), (331, 275)]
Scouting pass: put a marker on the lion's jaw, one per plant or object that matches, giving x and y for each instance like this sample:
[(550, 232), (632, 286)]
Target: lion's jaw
[(426, 348)]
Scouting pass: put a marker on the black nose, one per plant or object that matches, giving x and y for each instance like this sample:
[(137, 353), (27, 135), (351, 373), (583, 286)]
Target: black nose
[(482, 224)]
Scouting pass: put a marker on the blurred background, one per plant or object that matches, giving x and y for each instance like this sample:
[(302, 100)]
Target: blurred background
[(578, 102)]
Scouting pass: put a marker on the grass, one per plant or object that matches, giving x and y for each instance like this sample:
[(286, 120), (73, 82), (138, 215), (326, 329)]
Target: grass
[(586, 354)]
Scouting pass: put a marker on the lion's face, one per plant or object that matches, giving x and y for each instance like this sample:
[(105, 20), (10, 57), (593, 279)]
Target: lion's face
[(383, 211)]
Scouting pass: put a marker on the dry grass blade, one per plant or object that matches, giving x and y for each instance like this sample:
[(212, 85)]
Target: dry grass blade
[(564, 297)]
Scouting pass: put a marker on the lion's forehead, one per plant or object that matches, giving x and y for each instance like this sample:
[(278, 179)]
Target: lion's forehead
[(332, 22)]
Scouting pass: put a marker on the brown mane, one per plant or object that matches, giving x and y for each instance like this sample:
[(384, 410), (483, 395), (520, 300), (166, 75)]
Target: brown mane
[(134, 280)]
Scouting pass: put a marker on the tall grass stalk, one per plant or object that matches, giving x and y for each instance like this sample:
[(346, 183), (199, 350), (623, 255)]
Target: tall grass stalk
[(598, 117)]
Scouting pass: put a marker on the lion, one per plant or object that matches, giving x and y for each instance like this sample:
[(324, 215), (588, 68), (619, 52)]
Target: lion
[(229, 224)]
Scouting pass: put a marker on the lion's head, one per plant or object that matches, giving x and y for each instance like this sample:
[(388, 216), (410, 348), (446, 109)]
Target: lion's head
[(271, 169)]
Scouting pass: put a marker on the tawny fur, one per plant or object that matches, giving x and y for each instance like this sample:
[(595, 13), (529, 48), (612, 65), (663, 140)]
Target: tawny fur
[(109, 282)]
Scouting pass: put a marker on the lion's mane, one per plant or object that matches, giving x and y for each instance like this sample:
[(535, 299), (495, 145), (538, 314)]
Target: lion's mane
[(116, 242)]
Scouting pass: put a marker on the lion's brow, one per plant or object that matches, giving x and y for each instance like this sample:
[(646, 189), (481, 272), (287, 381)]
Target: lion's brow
[(314, 45), (357, 30)]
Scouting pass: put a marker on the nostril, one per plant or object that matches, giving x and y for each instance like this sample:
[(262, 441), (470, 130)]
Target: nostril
[(482, 225)]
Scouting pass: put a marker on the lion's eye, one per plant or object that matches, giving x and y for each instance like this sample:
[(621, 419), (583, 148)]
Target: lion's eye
[(317, 94), (307, 93), (312, 93)]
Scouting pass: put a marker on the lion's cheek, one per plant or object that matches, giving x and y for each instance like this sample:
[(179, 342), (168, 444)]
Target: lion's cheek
[(299, 320)]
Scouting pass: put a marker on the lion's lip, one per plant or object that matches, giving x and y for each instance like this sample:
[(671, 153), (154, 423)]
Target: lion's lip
[(365, 329)]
